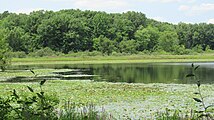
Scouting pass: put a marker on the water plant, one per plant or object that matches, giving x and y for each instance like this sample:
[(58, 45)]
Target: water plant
[(38, 105), (203, 113), (71, 111)]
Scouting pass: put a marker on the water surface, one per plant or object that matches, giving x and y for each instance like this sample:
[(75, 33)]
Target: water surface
[(129, 72)]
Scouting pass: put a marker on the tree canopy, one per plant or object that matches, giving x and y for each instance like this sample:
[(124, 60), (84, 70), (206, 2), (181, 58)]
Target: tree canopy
[(75, 30)]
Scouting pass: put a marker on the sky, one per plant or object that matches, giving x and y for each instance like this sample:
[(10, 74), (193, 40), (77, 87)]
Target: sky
[(173, 11)]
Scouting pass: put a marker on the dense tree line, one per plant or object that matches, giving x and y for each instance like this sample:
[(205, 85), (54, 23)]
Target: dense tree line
[(76, 30)]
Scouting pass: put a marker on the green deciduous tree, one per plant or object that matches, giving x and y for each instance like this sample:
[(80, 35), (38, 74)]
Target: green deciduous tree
[(4, 57), (128, 46), (147, 38), (168, 41), (103, 44)]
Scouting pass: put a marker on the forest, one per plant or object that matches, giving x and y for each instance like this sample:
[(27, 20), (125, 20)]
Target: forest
[(76, 31)]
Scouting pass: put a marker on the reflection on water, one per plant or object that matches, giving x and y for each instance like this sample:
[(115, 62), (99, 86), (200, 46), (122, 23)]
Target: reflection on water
[(130, 73)]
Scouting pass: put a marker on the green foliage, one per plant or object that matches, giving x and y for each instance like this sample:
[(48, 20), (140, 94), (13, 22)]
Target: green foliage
[(5, 108), (202, 114), (43, 52), (180, 50), (36, 105), (175, 115), (208, 49), (19, 54), (75, 31), (4, 56), (198, 49), (4, 60), (168, 41), (72, 112), (147, 38), (128, 46), (103, 44)]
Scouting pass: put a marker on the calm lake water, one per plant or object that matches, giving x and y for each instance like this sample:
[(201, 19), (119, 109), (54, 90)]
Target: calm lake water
[(130, 73)]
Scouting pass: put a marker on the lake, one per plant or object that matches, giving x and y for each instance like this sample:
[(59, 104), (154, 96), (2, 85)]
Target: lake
[(130, 73)]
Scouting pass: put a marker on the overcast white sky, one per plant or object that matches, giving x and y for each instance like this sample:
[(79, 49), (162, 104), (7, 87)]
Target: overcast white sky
[(174, 11)]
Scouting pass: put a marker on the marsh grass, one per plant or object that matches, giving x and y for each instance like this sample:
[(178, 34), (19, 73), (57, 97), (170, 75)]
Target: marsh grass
[(176, 115), (41, 106), (71, 111), (202, 112), (113, 59)]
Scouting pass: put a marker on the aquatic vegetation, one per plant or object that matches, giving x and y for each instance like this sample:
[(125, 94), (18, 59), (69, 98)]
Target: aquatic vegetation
[(200, 98), (36, 105), (120, 100), (39, 105)]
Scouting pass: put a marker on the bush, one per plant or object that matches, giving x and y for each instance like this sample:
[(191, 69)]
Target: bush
[(128, 46), (43, 52), (208, 49), (4, 60), (180, 50), (36, 105), (198, 49), (94, 53), (160, 52), (145, 52), (19, 54), (83, 54)]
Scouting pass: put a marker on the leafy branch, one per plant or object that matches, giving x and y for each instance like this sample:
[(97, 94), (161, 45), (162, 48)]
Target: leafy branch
[(200, 99)]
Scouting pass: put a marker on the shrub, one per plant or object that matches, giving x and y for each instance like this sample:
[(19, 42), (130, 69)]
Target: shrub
[(208, 49), (94, 53), (198, 49), (41, 106), (43, 52), (37, 105), (4, 60), (19, 54), (180, 50), (202, 113)]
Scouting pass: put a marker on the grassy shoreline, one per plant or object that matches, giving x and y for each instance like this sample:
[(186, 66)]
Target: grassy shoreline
[(114, 59)]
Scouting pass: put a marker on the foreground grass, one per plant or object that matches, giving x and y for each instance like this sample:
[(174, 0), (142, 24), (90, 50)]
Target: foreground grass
[(113, 59), (122, 100)]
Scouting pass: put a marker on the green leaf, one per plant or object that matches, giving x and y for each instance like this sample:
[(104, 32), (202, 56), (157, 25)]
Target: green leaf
[(30, 89), (198, 83), (42, 93), (209, 106), (196, 67), (45, 108), (42, 82), (198, 111), (19, 101), (34, 99), (190, 75), (27, 103), (39, 95), (14, 93), (197, 100), (202, 115)]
